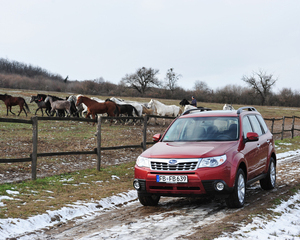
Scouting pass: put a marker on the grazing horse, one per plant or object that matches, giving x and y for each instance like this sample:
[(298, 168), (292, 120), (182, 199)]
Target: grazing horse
[(41, 104), (13, 101), (228, 107), (95, 107), (164, 110), (59, 105)]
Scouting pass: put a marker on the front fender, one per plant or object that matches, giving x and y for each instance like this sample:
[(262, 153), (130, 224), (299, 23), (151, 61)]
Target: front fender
[(238, 161)]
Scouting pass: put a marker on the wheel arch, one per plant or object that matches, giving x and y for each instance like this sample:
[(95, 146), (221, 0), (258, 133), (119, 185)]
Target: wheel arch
[(244, 168)]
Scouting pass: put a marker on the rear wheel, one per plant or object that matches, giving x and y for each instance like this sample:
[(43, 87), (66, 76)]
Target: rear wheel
[(269, 181), (237, 198), (149, 200)]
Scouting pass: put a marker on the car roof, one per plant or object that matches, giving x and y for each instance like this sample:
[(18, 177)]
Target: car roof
[(212, 113)]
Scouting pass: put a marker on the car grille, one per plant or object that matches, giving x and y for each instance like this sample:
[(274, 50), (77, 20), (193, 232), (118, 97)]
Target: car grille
[(182, 166)]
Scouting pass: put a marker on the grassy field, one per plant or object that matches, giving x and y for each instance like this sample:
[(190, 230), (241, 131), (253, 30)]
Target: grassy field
[(28, 198)]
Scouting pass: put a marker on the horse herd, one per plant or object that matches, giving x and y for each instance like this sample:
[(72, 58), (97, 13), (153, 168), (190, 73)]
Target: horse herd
[(79, 105)]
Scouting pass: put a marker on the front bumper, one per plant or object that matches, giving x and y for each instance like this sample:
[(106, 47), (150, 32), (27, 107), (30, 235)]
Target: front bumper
[(201, 188)]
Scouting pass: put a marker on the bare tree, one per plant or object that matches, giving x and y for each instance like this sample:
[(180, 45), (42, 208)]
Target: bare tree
[(142, 80), (171, 80), (202, 91), (261, 83)]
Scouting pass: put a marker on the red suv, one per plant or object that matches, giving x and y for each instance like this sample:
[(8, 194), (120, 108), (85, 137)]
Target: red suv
[(208, 153)]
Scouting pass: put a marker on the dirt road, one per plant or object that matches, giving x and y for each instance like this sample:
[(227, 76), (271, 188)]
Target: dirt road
[(181, 218)]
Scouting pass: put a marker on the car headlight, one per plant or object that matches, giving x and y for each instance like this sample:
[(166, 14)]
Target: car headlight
[(212, 161), (143, 162)]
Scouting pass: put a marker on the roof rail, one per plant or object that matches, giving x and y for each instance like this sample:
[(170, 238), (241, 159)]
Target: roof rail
[(246, 108), (201, 109)]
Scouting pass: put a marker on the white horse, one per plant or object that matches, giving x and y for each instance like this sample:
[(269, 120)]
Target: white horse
[(164, 110), (98, 99), (188, 107), (228, 107)]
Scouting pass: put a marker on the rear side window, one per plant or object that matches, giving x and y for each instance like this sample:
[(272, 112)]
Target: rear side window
[(256, 125), (263, 123)]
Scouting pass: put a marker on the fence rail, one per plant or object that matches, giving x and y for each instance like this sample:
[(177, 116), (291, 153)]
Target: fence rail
[(283, 130), (34, 122), (34, 155)]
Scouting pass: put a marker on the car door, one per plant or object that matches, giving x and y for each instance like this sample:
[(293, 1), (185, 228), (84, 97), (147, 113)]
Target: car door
[(262, 146), (250, 149)]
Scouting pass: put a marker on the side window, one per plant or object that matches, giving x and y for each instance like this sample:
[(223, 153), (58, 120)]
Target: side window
[(246, 126), (256, 125), (263, 123)]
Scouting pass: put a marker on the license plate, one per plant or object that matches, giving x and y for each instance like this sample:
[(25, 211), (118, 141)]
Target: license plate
[(172, 178)]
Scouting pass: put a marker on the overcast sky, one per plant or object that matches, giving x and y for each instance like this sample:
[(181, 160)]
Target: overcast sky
[(215, 41)]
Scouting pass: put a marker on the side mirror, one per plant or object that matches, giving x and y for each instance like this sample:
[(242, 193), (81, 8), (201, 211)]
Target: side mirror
[(156, 137), (252, 137)]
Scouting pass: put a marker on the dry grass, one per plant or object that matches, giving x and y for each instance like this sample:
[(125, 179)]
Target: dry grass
[(51, 193)]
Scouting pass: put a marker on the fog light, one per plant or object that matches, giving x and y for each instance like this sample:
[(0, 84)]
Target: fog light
[(220, 186), (136, 184)]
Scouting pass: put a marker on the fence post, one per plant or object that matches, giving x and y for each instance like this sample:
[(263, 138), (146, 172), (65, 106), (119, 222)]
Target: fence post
[(293, 125), (98, 143), (145, 133), (282, 127), (34, 147), (272, 128)]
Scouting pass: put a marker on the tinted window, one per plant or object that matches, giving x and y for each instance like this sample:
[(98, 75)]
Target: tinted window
[(246, 126), (256, 125), (263, 123)]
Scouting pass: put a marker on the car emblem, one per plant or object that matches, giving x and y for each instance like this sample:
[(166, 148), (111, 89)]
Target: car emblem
[(173, 162)]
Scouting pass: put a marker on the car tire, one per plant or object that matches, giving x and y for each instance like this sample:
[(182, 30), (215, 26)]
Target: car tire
[(269, 181), (149, 200), (237, 198)]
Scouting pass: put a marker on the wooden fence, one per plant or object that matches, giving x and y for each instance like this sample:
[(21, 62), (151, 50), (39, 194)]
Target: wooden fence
[(34, 122), (34, 155), (283, 130)]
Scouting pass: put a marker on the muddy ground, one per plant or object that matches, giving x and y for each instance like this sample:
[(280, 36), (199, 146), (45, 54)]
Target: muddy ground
[(179, 218)]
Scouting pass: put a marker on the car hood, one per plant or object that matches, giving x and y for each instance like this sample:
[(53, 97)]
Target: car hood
[(188, 149)]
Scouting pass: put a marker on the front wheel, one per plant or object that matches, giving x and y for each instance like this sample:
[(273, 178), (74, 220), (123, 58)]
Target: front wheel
[(150, 200), (237, 198), (268, 182)]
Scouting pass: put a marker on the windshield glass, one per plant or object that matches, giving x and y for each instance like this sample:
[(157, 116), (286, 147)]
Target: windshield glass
[(203, 129)]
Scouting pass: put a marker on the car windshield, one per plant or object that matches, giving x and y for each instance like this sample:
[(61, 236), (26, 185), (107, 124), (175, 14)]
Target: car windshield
[(203, 129)]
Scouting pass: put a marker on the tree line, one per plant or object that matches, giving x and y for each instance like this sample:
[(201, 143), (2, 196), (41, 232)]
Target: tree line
[(144, 83)]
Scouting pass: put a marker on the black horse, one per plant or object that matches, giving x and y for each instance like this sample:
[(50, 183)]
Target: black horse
[(41, 104), (126, 109), (184, 102)]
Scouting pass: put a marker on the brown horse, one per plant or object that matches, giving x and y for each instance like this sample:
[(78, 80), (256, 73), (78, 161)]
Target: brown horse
[(13, 101), (95, 107)]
